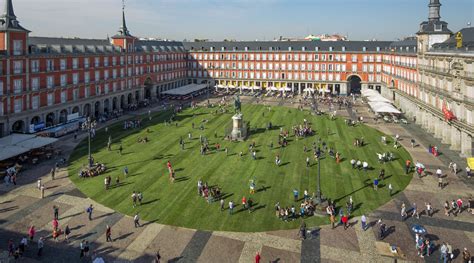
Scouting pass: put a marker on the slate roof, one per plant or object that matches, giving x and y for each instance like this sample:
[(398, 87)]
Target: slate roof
[(337, 46), (450, 44)]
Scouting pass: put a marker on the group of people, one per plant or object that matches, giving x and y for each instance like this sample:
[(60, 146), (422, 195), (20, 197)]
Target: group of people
[(209, 193), (96, 170), (132, 124)]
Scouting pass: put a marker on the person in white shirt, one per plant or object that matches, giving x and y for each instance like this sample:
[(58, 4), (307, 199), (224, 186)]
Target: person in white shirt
[(136, 220), (439, 173), (365, 166)]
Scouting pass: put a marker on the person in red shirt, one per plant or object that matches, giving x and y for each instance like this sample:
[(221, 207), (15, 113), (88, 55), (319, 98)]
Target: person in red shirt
[(244, 202), (257, 257), (345, 221)]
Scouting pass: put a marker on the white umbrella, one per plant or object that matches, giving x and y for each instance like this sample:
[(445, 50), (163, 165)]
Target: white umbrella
[(379, 98)]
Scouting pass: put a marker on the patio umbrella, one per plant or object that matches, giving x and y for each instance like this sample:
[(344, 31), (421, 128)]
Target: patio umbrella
[(417, 229), (98, 260), (420, 165)]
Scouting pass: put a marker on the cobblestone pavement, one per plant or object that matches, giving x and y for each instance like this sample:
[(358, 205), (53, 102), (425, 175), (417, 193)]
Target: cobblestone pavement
[(22, 206)]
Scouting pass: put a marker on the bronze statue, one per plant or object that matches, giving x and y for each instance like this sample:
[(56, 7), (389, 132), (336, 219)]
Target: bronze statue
[(237, 104)]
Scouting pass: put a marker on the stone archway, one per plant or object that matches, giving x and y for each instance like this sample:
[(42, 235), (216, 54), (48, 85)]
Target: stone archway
[(129, 98), (122, 102), (353, 83), (114, 103), (148, 86), (18, 126), (63, 116), (76, 110), (87, 110), (97, 109), (106, 106), (137, 96), (35, 120), (50, 119)]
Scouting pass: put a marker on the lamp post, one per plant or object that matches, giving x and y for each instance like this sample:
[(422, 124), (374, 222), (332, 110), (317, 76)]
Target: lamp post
[(319, 199), (89, 125)]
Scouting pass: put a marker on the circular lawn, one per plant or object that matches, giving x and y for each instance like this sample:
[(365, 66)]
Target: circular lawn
[(179, 204)]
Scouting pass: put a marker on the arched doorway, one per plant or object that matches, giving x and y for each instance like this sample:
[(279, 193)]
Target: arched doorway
[(122, 102), (129, 98), (50, 119), (114, 103), (354, 84), (137, 96), (106, 106), (35, 120), (18, 126), (75, 110), (97, 109), (63, 116), (148, 86), (87, 110)]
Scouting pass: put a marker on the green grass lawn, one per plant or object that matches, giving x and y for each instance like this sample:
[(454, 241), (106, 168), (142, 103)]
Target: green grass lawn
[(178, 203)]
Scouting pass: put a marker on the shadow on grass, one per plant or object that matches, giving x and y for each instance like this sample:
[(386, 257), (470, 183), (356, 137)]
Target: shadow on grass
[(151, 201)]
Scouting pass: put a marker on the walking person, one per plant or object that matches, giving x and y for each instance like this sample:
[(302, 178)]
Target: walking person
[(390, 189), (443, 253), (231, 207), (56, 212), (81, 247), (108, 234), (447, 208), (403, 212), (38, 184), (295, 194), (429, 209), (40, 246), (407, 166), (363, 220), (125, 171), (53, 173), (136, 220), (67, 232), (42, 191), (89, 212), (222, 205), (31, 232)]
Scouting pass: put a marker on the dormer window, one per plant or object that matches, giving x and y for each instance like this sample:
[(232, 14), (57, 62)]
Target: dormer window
[(378, 49), (222, 48), (330, 48), (343, 48), (270, 48), (211, 48), (316, 48), (364, 49), (438, 27), (303, 48), (246, 48), (289, 48)]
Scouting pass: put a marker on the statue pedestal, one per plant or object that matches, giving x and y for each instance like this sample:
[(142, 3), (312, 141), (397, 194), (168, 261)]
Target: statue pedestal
[(237, 127)]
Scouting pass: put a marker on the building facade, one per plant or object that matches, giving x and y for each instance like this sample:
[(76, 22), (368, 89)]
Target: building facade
[(44, 80), (47, 79)]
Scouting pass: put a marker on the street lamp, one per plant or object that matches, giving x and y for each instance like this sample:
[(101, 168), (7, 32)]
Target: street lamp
[(319, 199), (88, 126)]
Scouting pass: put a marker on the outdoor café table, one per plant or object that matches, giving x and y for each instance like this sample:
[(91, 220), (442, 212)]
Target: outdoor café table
[(384, 250)]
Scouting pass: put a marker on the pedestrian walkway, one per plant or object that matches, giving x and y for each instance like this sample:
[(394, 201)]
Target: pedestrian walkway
[(22, 207)]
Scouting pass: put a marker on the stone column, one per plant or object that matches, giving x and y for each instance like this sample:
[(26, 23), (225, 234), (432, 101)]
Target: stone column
[(446, 138), (455, 139), (343, 89), (466, 145)]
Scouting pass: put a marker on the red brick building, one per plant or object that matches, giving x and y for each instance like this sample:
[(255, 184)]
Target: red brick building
[(44, 80)]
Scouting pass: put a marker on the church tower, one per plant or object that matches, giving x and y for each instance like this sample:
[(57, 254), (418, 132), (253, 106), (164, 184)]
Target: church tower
[(13, 37), (123, 38), (434, 30)]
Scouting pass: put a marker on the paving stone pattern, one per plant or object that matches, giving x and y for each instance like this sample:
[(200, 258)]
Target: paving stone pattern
[(22, 206)]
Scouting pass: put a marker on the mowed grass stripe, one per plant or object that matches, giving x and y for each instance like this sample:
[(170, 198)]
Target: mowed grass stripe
[(178, 203)]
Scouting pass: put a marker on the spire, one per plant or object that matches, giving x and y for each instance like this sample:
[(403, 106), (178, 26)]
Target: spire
[(8, 11), (8, 18), (435, 8), (123, 31)]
